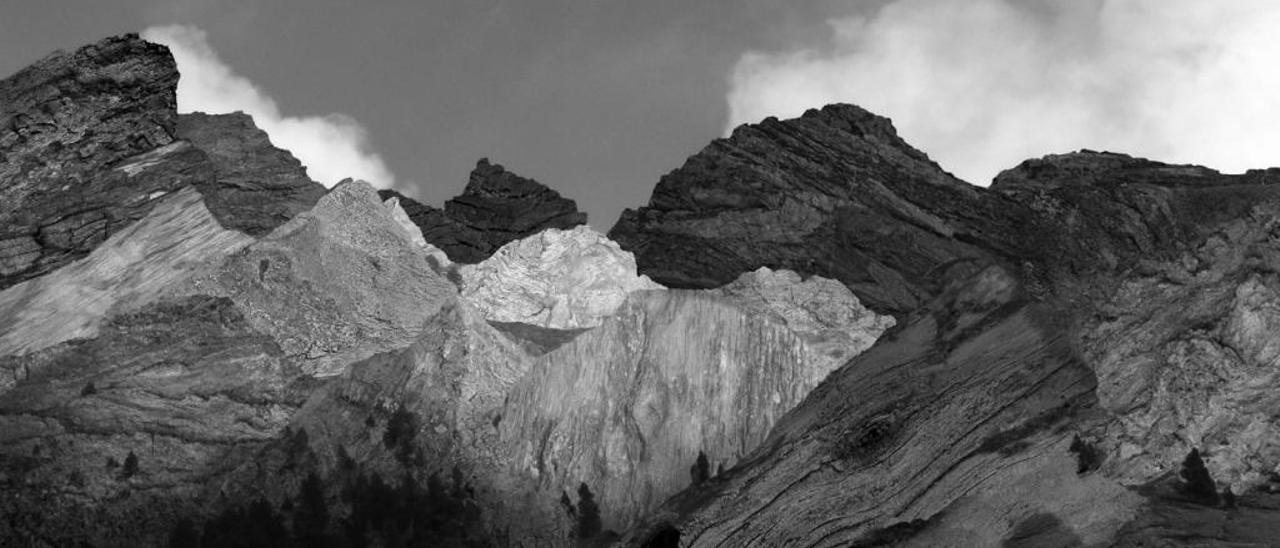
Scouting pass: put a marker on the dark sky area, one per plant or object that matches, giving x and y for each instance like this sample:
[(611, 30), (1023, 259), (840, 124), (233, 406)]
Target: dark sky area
[(595, 98), (598, 99)]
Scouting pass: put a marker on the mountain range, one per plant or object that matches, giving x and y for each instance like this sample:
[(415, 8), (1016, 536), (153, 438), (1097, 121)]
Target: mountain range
[(812, 335)]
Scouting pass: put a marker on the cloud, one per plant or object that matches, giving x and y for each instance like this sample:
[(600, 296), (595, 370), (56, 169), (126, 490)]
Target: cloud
[(983, 84), (332, 147)]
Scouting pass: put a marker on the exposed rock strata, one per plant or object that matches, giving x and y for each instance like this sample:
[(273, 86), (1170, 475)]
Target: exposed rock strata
[(81, 134), (258, 186), (495, 208), (177, 241), (1079, 270), (186, 386), (92, 138), (561, 279)]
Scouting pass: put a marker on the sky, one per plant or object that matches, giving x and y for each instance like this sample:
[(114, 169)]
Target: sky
[(599, 98)]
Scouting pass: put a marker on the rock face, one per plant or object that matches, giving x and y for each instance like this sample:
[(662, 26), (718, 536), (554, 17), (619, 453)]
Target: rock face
[(495, 208), (336, 284), (258, 186), (560, 279), (1099, 317), (823, 313), (141, 264), (626, 408), (92, 138), (87, 142), (835, 193)]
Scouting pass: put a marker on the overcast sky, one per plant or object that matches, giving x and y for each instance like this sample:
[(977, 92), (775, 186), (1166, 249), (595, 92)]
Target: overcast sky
[(599, 98)]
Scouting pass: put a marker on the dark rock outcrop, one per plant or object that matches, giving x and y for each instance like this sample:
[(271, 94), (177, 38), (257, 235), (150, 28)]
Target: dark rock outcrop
[(89, 140), (86, 143), (495, 208), (257, 186)]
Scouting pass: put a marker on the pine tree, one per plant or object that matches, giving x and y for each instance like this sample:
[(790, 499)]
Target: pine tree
[(130, 466), (701, 470), (589, 525), (1197, 481)]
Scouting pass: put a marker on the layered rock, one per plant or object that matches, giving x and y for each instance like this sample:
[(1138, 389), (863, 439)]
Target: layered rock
[(258, 186), (93, 138), (87, 144), (559, 279), (835, 193), (177, 241), (1109, 318), (110, 439), (495, 208)]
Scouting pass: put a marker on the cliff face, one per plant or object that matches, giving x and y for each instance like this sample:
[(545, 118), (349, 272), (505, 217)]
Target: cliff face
[(87, 143), (258, 187), (628, 407), (1109, 315), (495, 208), (92, 138)]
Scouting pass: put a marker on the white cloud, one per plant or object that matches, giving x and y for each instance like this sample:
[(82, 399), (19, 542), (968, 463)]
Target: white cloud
[(983, 84), (332, 147)]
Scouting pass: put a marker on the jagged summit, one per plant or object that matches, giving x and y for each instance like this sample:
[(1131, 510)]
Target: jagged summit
[(495, 208), (93, 139)]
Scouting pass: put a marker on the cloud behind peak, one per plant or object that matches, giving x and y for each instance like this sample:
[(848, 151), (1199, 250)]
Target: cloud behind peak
[(332, 146), (983, 84)]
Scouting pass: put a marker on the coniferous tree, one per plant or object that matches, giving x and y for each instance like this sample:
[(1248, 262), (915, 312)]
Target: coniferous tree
[(184, 535), (311, 512), (130, 466), (1197, 481), (589, 524), (701, 470)]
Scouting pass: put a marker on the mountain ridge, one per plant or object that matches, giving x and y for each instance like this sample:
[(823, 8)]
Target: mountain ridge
[(876, 352)]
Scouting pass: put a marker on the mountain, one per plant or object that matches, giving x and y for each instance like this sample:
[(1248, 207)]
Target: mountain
[(812, 335), (496, 207), (1082, 326)]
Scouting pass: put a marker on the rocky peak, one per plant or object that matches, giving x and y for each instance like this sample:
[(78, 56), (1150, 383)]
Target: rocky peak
[(561, 279), (496, 207), (501, 204), (65, 123), (834, 193)]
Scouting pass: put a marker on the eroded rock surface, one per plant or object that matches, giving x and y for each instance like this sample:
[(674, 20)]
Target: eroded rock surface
[(87, 143), (336, 284), (827, 316), (561, 279)]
